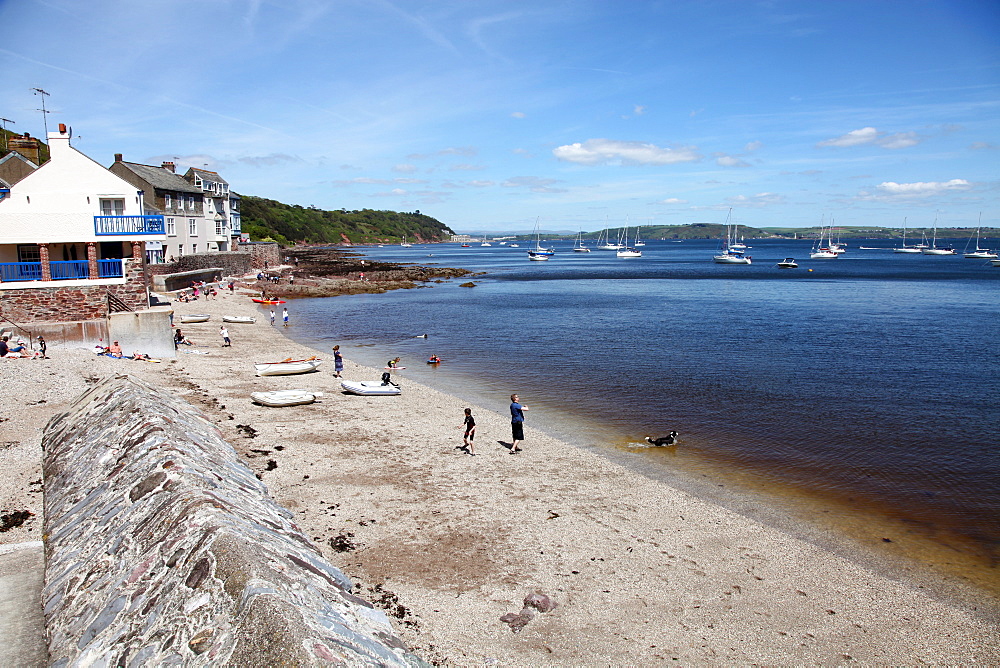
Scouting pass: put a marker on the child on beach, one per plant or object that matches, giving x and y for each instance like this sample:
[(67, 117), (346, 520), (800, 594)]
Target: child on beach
[(470, 432), (338, 362), (272, 317), (284, 316), (224, 333)]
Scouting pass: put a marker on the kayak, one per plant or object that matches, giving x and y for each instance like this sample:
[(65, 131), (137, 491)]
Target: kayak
[(267, 301)]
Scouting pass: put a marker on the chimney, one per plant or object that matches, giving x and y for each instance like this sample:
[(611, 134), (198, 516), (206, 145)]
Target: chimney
[(118, 157), (171, 166), (26, 146), (62, 128)]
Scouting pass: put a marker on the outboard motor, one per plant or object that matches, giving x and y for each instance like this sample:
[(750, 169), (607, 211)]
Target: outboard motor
[(387, 380)]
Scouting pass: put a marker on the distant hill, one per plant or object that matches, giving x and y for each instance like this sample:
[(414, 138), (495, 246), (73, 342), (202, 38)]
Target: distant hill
[(717, 231), (288, 224)]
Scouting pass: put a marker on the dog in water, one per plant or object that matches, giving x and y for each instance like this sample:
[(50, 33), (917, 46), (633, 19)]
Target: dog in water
[(669, 439)]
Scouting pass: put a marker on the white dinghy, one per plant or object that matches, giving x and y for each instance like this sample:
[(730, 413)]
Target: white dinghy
[(371, 387), (279, 398), (194, 317), (287, 367), (239, 319)]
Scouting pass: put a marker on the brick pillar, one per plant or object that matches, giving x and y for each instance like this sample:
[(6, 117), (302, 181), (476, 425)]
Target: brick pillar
[(138, 250), (43, 256), (92, 267)]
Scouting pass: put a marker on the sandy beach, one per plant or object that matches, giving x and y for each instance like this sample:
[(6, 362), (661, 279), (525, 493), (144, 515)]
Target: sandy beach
[(448, 543)]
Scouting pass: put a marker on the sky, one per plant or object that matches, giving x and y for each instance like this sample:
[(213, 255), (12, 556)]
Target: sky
[(491, 114)]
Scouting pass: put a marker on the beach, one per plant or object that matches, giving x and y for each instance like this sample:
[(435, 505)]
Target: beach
[(447, 543)]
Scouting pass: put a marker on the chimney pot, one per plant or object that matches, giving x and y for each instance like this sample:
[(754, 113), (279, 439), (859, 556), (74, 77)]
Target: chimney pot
[(62, 128), (170, 166)]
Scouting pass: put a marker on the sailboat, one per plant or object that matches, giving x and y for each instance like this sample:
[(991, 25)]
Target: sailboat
[(626, 251), (607, 245), (934, 250), (485, 242), (904, 248), (637, 240), (403, 244), (728, 255), (539, 252), (821, 252), (979, 253), (579, 247)]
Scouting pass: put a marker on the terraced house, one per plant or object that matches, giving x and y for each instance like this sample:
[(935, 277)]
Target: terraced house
[(200, 214), (73, 240)]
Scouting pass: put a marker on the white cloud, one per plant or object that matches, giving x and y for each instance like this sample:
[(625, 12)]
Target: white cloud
[(753, 146), (405, 169), (870, 135), (366, 180), (920, 188), (672, 200), (409, 181), (730, 161), (534, 183), (757, 201), (610, 151), (853, 138), (466, 168), (639, 110), (518, 114)]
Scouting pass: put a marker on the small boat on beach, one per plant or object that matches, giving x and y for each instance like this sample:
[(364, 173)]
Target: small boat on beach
[(384, 387), (194, 317), (288, 367), (279, 398), (239, 319)]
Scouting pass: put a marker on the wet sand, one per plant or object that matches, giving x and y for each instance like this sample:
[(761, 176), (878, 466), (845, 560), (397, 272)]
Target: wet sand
[(642, 572)]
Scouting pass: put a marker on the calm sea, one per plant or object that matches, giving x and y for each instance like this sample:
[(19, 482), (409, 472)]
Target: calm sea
[(859, 395)]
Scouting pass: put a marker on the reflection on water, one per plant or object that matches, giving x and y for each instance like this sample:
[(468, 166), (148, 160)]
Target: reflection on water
[(862, 387)]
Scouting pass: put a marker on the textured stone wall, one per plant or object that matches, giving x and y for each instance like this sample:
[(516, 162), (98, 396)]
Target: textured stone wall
[(263, 254), (232, 263), (162, 548), (52, 302)]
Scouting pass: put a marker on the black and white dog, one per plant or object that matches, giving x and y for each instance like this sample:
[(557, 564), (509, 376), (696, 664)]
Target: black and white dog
[(670, 439)]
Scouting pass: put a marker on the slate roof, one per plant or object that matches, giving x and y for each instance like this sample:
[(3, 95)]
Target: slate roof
[(161, 178), (206, 175)]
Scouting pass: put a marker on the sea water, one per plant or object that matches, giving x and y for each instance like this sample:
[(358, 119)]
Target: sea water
[(861, 393)]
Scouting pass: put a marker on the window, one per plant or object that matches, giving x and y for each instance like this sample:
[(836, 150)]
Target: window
[(180, 250), (112, 207), (194, 248), (29, 253), (167, 201), (220, 225), (171, 227), (192, 227)]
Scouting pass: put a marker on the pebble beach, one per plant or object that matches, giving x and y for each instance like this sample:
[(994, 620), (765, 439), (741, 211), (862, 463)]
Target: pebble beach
[(448, 544)]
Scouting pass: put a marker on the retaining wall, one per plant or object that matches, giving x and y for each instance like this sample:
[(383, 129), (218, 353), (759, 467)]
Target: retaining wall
[(162, 548)]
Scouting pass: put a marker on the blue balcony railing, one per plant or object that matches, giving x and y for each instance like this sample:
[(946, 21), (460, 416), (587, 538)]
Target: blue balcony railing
[(20, 271), (60, 271), (127, 225)]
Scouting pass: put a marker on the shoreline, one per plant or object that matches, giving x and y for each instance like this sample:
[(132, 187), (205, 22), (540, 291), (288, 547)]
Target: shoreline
[(642, 572)]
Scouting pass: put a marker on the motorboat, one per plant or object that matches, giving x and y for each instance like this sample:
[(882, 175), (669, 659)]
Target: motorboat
[(384, 387), (995, 263), (194, 317), (788, 263), (278, 398), (532, 255), (239, 319), (287, 367)]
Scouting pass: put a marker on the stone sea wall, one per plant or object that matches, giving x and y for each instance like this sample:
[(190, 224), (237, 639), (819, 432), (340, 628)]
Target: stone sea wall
[(162, 548)]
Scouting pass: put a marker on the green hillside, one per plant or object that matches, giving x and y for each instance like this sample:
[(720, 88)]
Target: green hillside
[(288, 224)]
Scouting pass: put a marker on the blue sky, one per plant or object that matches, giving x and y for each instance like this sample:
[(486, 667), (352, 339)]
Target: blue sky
[(489, 113)]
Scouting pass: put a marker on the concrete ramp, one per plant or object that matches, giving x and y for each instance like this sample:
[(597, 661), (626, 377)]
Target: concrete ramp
[(162, 548)]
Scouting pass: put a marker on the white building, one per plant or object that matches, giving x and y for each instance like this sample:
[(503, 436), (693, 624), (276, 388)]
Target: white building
[(72, 240)]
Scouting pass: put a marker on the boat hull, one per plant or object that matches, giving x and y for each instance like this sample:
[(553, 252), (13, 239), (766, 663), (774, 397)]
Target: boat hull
[(731, 259), (280, 398), (239, 319), (194, 317), (289, 368), (369, 388)]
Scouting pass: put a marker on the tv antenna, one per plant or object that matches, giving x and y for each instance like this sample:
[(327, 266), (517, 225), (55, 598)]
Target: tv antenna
[(45, 114), (3, 123)]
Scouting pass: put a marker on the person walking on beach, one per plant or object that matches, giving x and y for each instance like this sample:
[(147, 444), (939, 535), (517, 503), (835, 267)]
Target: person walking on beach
[(41, 347), (516, 423), (338, 362), (284, 316), (272, 317), (470, 432), (224, 333)]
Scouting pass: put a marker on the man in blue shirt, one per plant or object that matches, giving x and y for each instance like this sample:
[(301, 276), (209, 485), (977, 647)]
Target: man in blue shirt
[(516, 423)]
